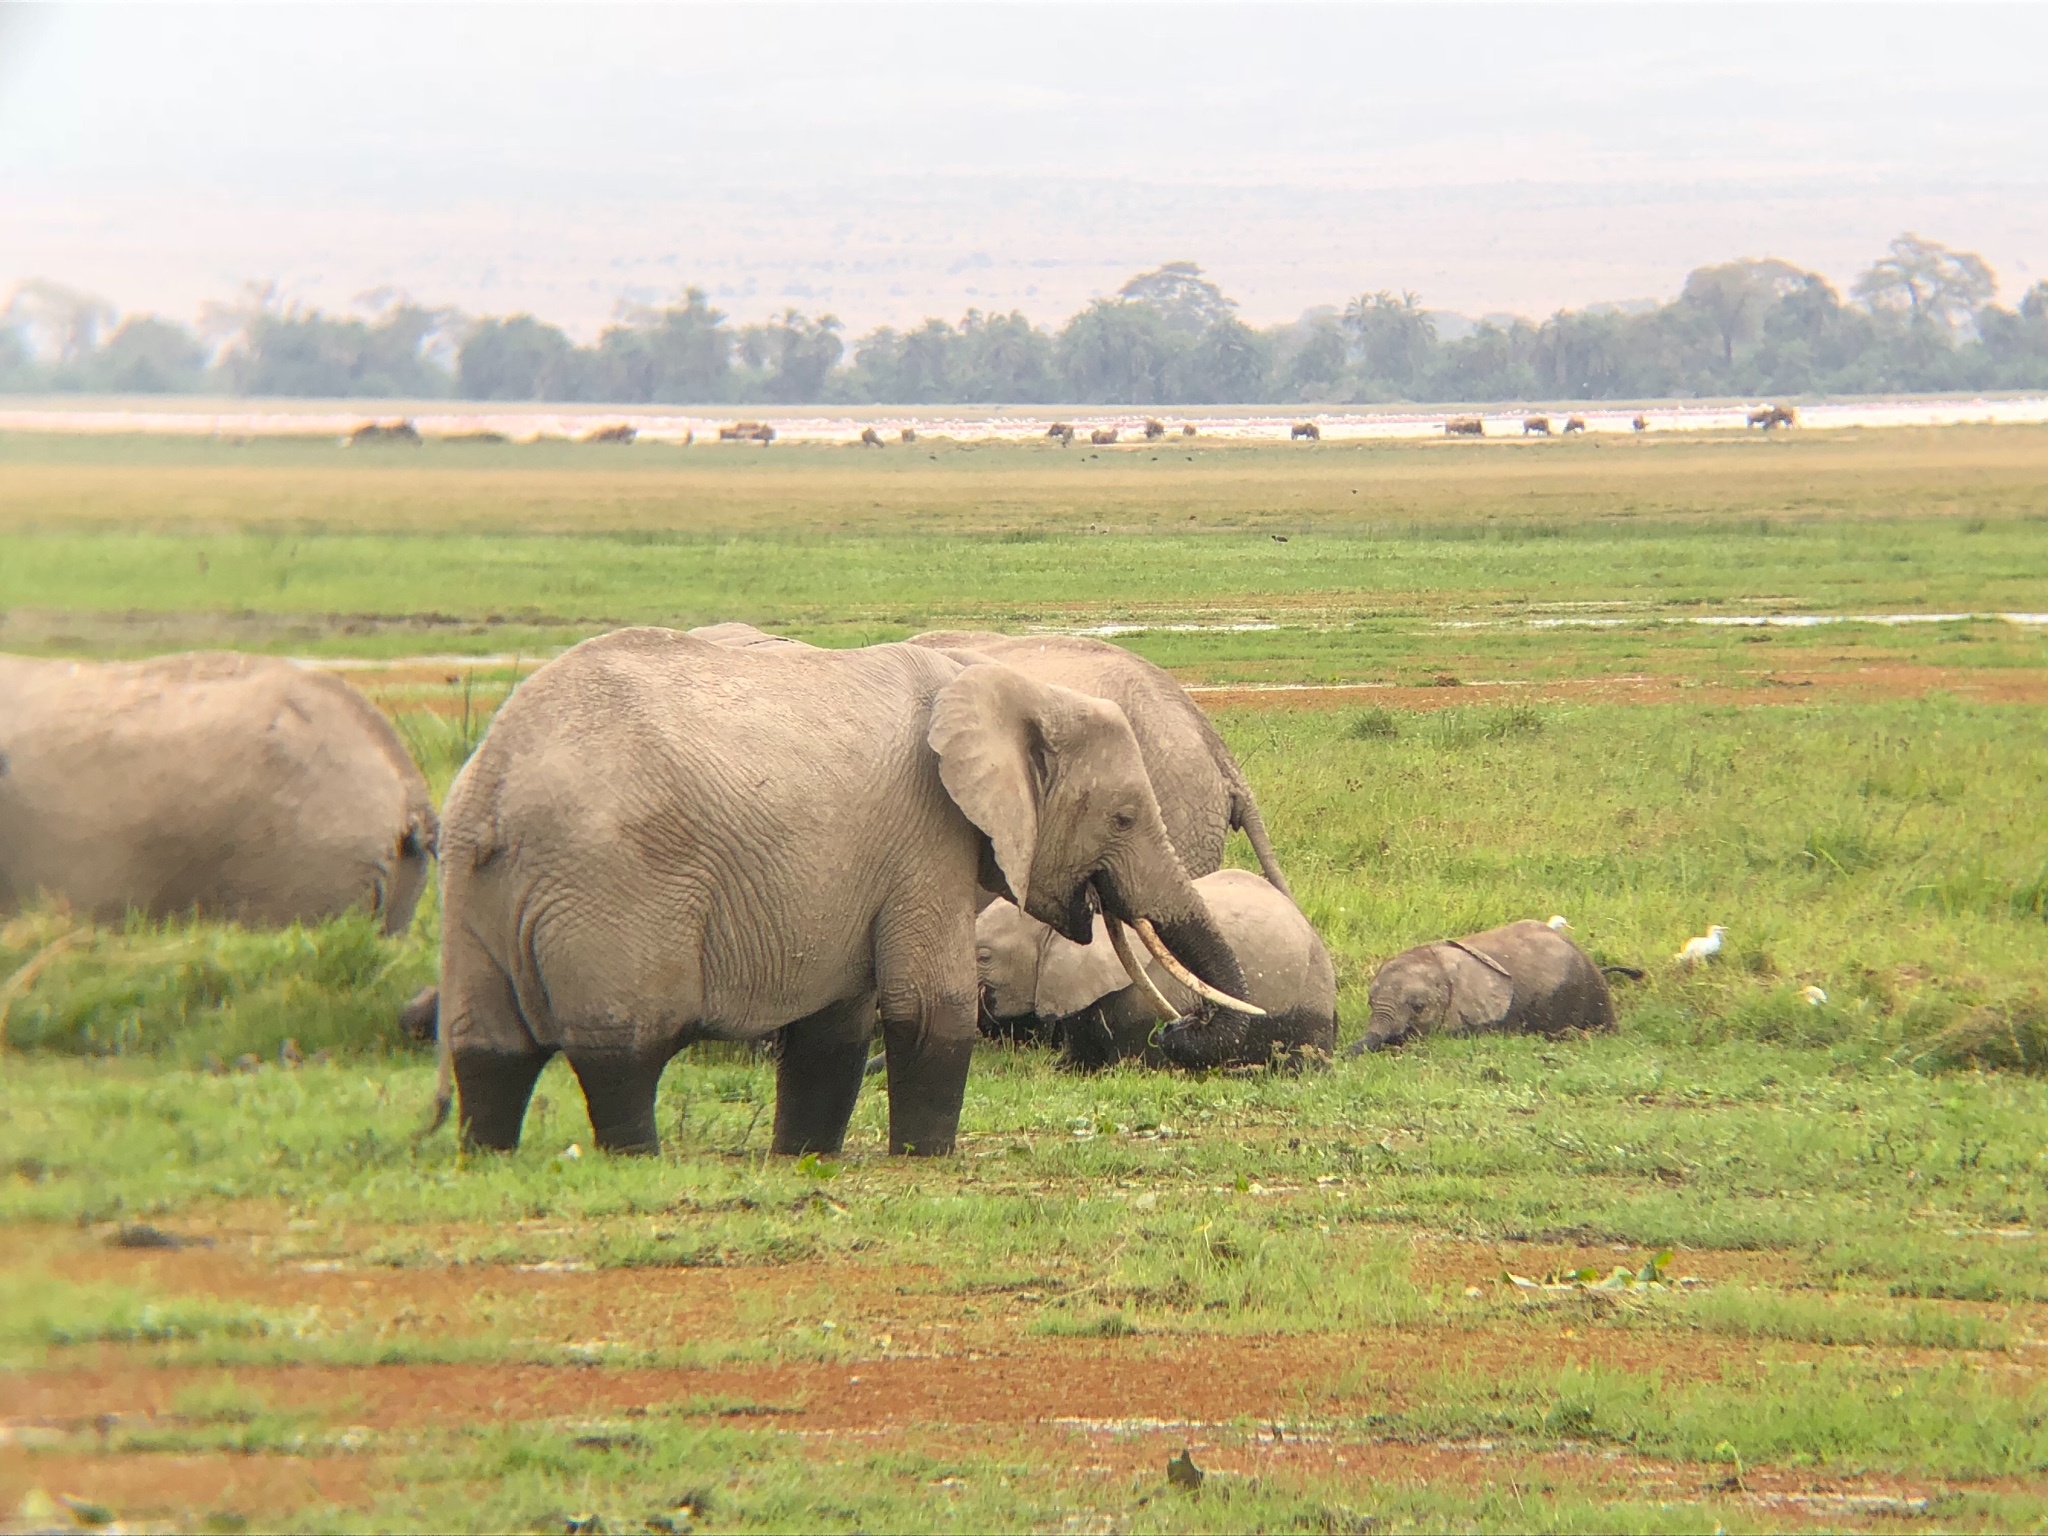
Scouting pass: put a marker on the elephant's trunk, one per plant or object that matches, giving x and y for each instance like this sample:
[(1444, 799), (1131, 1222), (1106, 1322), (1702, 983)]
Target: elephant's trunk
[(1162, 895), (1187, 978), (1382, 1029)]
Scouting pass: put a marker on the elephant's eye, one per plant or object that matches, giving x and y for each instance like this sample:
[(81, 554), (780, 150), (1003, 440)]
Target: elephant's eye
[(984, 955), (1123, 821)]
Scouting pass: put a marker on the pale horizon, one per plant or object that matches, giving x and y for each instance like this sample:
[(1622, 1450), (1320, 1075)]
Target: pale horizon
[(889, 163)]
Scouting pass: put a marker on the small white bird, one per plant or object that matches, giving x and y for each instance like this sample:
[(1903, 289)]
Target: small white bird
[(1705, 947), (1813, 995), (1557, 924)]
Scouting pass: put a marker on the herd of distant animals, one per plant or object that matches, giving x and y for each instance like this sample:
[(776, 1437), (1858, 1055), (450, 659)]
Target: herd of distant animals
[(723, 834), (1062, 432)]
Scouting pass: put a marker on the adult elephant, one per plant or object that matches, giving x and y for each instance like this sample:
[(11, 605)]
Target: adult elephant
[(1201, 790), (209, 784), (665, 840)]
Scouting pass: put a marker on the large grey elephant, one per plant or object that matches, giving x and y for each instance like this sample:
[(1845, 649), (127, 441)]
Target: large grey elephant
[(229, 786), (1525, 978), (1037, 984), (1202, 791), (664, 840)]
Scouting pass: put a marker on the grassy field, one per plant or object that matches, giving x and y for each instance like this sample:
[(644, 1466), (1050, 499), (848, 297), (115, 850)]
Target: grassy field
[(1304, 1282)]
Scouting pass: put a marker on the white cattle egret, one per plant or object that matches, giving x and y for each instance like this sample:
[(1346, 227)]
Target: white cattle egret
[(1705, 947), (1557, 924), (1813, 995)]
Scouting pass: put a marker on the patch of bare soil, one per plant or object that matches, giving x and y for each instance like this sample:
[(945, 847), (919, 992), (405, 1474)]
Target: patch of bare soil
[(178, 1487)]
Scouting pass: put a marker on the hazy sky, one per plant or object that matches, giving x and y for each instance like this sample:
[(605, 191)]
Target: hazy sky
[(889, 162)]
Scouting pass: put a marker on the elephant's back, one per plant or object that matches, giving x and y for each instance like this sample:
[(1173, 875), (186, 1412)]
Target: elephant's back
[(1557, 984), (233, 784), (1284, 960), (657, 737)]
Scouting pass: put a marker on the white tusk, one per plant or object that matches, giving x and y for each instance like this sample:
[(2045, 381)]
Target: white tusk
[(1188, 978), (1138, 973)]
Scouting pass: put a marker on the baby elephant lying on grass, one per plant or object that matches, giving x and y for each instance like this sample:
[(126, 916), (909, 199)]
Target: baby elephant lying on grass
[(1524, 979), (1037, 985)]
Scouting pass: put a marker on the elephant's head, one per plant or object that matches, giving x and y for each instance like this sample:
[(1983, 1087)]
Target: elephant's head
[(1438, 986), (1054, 780), (1030, 975)]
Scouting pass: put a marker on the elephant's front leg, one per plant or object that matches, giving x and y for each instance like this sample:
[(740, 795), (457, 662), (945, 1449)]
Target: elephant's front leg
[(927, 994), (817, 1079)]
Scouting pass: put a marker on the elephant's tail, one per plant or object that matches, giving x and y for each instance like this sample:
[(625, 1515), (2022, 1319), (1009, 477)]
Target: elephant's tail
[(1244, 812), (1622, 970), (444, 1082)]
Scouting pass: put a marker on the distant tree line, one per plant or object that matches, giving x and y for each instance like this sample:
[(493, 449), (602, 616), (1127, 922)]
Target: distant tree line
[(1923, 317)]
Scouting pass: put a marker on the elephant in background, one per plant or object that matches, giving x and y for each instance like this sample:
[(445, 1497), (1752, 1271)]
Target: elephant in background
[(1524, 978), (215, 784), (1201, 790), (1035, 983), (664, 840)]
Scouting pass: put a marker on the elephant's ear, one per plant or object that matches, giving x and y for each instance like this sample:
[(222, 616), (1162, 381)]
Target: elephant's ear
[(1480, 994), (993, 760), (1071, 976)]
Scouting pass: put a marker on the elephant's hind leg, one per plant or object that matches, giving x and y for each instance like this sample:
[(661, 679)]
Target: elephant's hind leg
[(496, 1058), (818, 1078)]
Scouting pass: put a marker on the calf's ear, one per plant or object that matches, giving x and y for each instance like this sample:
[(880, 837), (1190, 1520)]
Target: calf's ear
[(986, 730), (1072, 976), (1480, 995)]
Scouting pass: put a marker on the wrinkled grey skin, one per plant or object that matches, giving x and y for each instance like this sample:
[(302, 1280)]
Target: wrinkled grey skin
[(1036, 984), (228, 786), (665, 840), (1202, 792), (1551, 986)]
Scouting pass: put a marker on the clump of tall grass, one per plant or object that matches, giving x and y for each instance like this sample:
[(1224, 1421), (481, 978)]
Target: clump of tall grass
[(1373, 725), (187, 990)]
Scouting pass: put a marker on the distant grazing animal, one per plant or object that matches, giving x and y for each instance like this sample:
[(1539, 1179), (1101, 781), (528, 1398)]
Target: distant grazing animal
[(1535, 426), (1465, 426), (1575, 424), (1187, 429), (747, 432), (870, 438), (621, 433), (384, 432), (907, 435), (238, 787), (1641, 423), (1062, 431), (1307, 429), (1705, 947), (1525, 978), (1081, 997), (1775, 416), (1154, 430), (1102, 436)]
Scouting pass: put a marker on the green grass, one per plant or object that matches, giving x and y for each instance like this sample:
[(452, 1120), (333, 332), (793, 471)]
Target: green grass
[(1859, 1184)]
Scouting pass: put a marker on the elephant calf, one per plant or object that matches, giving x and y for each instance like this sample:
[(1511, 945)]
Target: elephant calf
[(1036, 984), (229, 786), (1525, 978)]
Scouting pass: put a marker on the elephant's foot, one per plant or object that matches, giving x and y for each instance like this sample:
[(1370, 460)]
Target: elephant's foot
[(927, 1081), (618, 1090), (824, 1058), (493, 1087)]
